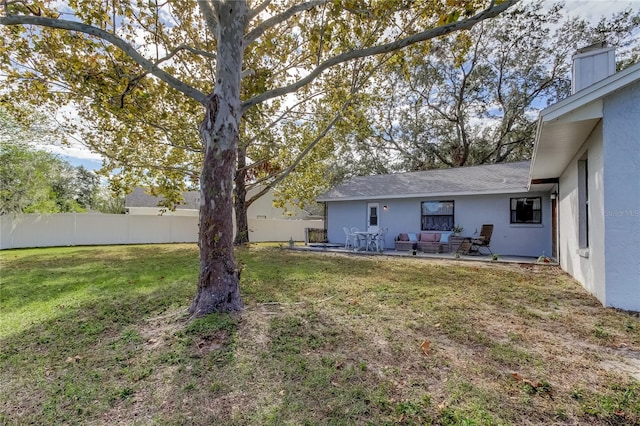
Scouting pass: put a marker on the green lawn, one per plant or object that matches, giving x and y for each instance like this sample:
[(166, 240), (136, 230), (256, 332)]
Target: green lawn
[(98, 335)]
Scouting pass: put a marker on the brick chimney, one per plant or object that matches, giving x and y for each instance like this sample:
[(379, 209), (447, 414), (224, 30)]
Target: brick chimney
[(592, 64)]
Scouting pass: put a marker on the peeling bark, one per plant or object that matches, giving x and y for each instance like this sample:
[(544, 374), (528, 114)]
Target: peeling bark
[(219, 282)]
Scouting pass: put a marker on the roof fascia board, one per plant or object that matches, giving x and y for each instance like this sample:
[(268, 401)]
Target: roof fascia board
[(596, 91), (536, 144), (519, 190), (589, 111)]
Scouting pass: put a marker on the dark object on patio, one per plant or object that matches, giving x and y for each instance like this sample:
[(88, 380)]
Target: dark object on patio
[(483, 240), (315, 235)]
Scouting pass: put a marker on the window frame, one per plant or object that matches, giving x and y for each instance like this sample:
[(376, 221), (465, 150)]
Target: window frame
[(513, 213), (583, 203)]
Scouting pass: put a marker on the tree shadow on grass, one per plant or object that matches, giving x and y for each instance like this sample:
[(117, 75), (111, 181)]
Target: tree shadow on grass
[(83, 360), (67, 279)]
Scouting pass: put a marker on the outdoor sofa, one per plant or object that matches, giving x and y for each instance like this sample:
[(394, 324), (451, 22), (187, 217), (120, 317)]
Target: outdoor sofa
[(424, 241)]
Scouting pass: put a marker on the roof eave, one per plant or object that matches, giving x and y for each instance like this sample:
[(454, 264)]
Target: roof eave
[(514, 190), (582, 111)]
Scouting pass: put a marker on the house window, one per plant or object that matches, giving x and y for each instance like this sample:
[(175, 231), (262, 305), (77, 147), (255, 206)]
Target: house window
[(437, 215), (526, 210), (583, 204), (373, 215)]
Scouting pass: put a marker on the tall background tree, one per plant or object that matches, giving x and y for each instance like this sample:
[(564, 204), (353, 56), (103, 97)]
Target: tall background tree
[(134, 59), (473, 97)]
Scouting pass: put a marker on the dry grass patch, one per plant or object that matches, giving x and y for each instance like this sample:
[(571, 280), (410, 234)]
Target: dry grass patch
[(324, 339)]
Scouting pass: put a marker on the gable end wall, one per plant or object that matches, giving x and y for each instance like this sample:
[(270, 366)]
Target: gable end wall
[(621, 134)]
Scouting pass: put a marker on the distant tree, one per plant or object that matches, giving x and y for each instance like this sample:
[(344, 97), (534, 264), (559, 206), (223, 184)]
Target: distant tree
[(106, 201), (34, 181), (22, 181), (87, 185)]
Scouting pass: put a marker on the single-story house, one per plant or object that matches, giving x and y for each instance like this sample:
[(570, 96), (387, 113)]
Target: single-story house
[(436, 200), (578, 200)]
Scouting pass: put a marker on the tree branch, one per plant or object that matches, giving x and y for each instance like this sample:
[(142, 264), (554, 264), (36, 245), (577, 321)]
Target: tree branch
[(193, 50), (273, 123), (209, 17), (256, 11), (355, 88), (279, 176), (490, 12), (127, 48), (275, 20)]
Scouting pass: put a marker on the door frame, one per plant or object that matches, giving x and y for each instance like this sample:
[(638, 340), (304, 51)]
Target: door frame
[(376, 227)]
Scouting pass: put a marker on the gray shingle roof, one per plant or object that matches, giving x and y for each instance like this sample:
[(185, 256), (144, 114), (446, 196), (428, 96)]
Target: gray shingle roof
[(487, 179), (139, 198)]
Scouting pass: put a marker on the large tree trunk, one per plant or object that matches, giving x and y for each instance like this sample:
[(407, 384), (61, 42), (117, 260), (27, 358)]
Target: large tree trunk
[(240, 199), (219, 282)]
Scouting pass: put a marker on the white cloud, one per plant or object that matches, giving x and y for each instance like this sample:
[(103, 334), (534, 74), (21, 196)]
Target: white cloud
[(75, 150)]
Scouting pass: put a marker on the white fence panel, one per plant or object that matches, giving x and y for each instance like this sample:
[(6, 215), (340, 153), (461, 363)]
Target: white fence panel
[(280, 230), (93, 229), (67, 229), (184, 229)]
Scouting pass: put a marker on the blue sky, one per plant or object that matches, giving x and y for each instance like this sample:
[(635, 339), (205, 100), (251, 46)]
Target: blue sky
[(84, 162)]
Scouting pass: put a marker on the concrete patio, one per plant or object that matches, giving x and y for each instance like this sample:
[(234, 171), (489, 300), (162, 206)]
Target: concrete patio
[(336, 248)]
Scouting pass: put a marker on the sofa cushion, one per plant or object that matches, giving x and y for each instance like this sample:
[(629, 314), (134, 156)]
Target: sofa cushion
[(429, 237), (403, 237)]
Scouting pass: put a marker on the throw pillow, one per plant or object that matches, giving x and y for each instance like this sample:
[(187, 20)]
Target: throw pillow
[(413, 237)]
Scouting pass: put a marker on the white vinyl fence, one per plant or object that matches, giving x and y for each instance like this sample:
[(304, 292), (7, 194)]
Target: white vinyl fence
[(70, 229)]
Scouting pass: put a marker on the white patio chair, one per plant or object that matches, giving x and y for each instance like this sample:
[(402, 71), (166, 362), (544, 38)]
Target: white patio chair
[(358, 238), (378, 240), (351, 238)]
